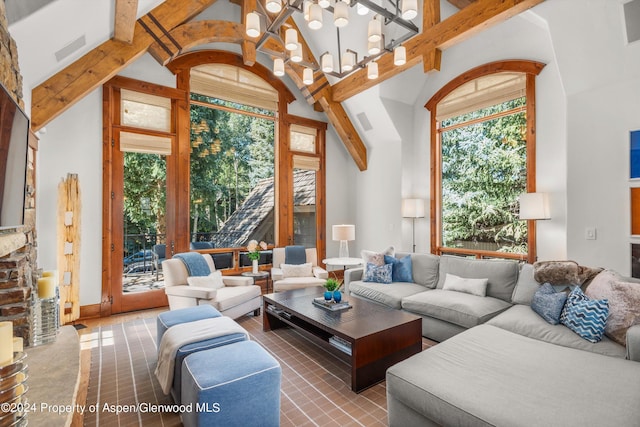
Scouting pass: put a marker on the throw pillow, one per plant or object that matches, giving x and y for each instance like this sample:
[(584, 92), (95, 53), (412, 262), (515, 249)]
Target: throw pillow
[(468, 286), (212, 281), (584, 316), (401, 268), (297, 270), (624, 303), (377, 258), (548, 303), (378, 273), (563, 272)]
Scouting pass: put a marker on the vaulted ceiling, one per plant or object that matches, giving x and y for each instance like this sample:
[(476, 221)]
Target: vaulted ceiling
[(167, 31)]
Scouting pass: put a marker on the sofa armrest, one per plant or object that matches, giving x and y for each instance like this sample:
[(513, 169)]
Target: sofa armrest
[(187, 291), (633, 343), (320, 273), (237, 281), (351, 275), (276, 274)]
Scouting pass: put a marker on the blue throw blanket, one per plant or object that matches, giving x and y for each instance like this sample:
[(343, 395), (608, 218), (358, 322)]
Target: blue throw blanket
[(195, 263), (295, 255)]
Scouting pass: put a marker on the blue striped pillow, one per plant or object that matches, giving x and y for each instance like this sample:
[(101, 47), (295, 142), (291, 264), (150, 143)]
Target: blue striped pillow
[(584, 316)]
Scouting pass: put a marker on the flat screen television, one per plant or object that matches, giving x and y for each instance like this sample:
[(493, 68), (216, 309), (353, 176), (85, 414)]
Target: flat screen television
[(14, 143)]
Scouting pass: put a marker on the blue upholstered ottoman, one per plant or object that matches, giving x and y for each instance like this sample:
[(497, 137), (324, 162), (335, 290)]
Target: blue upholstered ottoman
[(234, 385), (185, 315)]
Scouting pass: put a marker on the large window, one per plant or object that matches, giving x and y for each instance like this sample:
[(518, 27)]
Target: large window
[(483, 149)]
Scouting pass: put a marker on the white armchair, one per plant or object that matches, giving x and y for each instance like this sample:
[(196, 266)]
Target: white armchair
[(238, 297), (282, 283)]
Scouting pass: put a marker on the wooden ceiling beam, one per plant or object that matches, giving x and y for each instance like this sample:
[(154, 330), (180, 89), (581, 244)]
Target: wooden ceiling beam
[(195, 33), (125, 20), (468, 22), (68, 86), (461, 4)]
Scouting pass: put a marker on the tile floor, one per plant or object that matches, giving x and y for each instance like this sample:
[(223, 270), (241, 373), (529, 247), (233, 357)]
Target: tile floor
[(315, 385)]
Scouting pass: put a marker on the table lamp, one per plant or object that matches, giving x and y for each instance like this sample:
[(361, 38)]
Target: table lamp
[(344, 233)]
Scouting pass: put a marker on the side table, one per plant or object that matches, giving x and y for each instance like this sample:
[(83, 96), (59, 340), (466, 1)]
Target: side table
[(260, 275), (343, 262)]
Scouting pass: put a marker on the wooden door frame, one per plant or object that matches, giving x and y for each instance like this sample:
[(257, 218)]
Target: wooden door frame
[(112, 300)]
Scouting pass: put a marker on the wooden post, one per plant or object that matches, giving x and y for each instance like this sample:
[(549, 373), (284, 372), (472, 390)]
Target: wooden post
[(69, 248)]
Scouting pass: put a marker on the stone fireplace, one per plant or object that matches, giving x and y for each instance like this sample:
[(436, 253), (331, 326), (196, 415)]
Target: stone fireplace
[(18, 256)]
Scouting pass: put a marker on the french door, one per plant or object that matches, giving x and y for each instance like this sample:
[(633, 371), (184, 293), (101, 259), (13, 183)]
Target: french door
[(140, 209)]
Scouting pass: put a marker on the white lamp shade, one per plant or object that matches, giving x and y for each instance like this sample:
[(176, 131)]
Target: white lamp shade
[(278, 67), (307, 6), (343, 232), (296, 55), (409, 9), (361, 9), (399, 55), (374, 32), (274, 6), (324, 3), (413, 208), (374, 48), (291, 39), (252, 24), (534, 206), (348, 61), (372, 70), (327, 63), (315, 17), (307, 76), (340, 14)]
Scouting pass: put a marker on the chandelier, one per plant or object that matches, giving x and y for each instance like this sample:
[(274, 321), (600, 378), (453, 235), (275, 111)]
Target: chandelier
[(273, 14)]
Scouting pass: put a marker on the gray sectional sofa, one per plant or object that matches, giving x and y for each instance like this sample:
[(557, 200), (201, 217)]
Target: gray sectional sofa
[(499, 363)]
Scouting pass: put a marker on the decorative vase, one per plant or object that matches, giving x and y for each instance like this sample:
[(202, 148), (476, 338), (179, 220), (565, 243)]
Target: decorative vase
[(328, 295), (337, 296), (254, 265)]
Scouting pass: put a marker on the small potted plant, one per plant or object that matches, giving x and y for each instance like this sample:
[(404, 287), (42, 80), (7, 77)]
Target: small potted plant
[(332, 292)]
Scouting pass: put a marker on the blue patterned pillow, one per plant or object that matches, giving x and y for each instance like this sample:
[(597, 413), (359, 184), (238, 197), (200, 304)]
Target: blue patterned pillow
[(378, 274), (402, 268), (584, 316), (548, 303)]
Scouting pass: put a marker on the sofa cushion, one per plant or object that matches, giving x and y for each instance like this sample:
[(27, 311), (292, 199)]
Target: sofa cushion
[(476, 287), (230, 296), (563, 272), (296, 270), (389, 295), (212, 281), (548, 303), (522, 320), (502, 274), (402, 268), (378, 273), (624, 302), (456, 307), (424, 268), (376, 258), (585, 316), (526, 286), (296, 283), (489, 376)]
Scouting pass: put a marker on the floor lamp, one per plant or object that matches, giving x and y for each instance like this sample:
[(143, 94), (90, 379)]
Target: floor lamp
[(413, 208)]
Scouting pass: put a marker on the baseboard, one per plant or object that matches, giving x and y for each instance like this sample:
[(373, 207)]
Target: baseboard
[(89, 311)]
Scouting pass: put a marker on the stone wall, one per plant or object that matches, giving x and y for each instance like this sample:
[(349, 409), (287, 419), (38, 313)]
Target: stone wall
[(18, 256)]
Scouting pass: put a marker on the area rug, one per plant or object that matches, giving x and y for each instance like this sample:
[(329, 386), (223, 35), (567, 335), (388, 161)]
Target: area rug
[(315, 386)]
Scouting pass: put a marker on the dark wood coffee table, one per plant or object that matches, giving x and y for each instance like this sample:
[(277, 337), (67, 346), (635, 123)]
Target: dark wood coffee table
[(379, 336)]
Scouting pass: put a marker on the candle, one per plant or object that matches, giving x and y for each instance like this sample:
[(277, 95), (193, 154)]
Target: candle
[(18, 346), (51, 273), (6, 343), (46, 287)]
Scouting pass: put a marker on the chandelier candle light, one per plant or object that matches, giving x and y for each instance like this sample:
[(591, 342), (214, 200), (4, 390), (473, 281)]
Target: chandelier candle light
[(343, 233), (270, 21)]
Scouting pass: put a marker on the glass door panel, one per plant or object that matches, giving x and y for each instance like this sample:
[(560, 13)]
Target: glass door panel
[(304, 207)]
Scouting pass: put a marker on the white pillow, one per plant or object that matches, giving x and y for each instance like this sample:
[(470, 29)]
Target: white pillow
[(376, 258), (468, 286), (212, 281), (296, 270)]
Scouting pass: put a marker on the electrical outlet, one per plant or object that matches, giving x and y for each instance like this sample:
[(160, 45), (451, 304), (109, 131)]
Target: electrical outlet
[(590, 233)]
